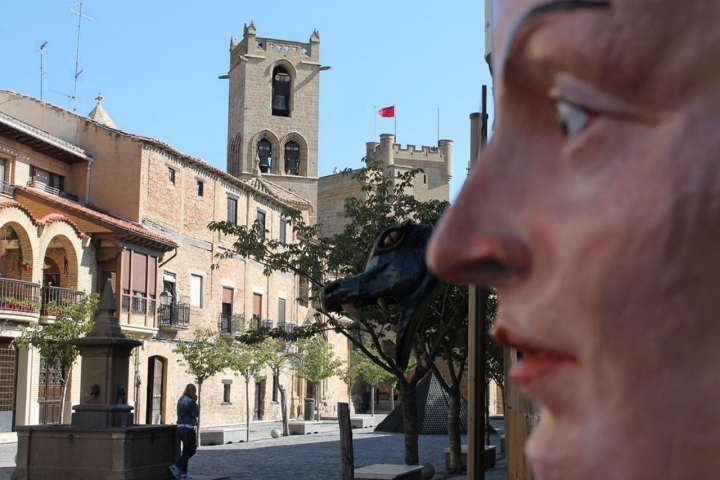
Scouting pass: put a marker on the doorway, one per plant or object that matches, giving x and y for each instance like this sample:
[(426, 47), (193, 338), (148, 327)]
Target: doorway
[(50, 393), (155, 385)]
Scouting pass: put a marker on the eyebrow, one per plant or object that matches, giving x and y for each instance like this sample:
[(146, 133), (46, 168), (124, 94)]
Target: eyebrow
[(544, 9)]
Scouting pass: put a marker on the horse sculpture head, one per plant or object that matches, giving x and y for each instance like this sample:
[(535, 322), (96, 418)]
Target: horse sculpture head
[(395, 273)]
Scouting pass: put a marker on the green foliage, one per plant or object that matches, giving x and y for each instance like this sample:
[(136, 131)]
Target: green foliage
[(495, 363), (370, 372), (72, 321), (315, 360), (249, 360), (205, 355)]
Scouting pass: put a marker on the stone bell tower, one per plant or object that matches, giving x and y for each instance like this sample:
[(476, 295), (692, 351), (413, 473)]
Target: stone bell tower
[(273, 110)]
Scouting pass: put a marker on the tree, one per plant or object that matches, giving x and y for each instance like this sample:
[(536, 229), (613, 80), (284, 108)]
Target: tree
[(319, 259), (277, 355), (315, 361), (203, 356), (494, 358), (248, 360), (51, 340), (371, 373), (349, 375)]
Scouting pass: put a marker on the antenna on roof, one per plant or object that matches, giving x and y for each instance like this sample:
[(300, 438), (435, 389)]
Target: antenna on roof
[(80, 15), (42, 52)]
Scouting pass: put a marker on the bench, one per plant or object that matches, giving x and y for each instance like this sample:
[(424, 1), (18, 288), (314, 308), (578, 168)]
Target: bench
[(489, 460), (222, 435), (299, 427), (362, 422), (389, 472)]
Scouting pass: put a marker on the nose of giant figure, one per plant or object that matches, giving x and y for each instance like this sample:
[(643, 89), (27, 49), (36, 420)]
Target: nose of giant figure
[(478, 240)]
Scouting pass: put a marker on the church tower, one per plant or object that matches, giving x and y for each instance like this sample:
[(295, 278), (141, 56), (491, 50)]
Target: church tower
[(273, 111)]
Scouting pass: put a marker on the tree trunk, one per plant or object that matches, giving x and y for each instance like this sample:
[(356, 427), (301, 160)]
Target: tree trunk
[(283, 411), (453, 425), (247, 410), (199, 411), (372, 400), (392, 398), (63, 392), (411, 424)]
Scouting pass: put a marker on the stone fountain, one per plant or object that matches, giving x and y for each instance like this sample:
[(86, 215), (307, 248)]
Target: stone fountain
[(101, 442)]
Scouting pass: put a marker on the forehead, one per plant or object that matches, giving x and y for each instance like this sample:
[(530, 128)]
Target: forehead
[(625, 42)]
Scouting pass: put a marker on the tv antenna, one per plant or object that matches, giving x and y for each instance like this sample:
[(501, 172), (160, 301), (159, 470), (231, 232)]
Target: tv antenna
[(42, 52), (78, 72)]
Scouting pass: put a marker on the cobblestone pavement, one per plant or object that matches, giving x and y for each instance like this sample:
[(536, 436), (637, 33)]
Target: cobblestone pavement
[(315, 456)]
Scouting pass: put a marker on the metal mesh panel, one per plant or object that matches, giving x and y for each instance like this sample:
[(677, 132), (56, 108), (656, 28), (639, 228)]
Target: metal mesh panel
[(7, 378)]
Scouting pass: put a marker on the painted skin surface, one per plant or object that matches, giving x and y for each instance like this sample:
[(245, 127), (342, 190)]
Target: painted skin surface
[(595, 213)]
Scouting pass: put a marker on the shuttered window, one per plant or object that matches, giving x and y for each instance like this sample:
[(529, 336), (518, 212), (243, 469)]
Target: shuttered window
[(196, 291)]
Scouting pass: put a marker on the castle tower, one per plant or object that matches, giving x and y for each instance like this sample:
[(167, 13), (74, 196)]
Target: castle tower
[(273, 111)]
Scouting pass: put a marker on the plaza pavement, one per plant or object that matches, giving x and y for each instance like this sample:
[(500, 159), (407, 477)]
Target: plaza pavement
[(315, 456)]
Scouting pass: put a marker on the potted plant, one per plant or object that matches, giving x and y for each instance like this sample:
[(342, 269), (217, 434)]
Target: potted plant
[(26, 264)]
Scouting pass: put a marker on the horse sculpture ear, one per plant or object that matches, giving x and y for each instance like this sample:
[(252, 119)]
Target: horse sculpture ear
[(432, 225)]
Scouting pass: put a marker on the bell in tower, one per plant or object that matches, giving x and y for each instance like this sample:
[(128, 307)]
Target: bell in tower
[(265, 156), (279, 102), (280, 92)]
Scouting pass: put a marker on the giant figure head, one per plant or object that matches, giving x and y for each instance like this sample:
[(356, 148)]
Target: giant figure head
[(595, 213)]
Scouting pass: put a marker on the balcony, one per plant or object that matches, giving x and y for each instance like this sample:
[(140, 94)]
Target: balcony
[(231, 325), (175, 316), (265, 323), (19, 300), (55, 299), (138, 305), (52, 190), (288, 327)]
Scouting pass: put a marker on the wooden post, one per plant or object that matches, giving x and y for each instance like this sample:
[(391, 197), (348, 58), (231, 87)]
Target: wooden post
[(476, 330), (347, 457)]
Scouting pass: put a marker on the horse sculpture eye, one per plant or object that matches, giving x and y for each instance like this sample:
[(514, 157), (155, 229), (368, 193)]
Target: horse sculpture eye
[(391, 238)]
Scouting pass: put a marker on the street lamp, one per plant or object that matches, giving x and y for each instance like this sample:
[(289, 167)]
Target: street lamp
[(165, 298)]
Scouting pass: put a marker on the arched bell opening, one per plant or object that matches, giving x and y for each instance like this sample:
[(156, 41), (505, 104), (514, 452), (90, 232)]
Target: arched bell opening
[(281, 88)]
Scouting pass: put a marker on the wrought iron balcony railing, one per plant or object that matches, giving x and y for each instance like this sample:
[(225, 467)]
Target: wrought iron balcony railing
[(52, 190), (288, 327), (265, 323), (18, 295), (175, 315), (231, 324), (55, 299)]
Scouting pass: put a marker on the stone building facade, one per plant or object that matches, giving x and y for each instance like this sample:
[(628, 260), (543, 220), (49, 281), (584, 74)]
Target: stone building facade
[(273, 111), (133, 211), (432, 184)]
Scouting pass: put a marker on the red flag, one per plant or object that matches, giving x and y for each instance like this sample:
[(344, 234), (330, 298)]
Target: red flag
[(387, 111)]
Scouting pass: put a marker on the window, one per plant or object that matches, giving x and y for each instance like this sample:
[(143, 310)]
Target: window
[(265, 156), (232, 210), (281, 311), (196, 291), (260, 225), (257, 308), (200, 187), (281, 92), (292, 158), (48, 178), (283, 231), (226, 392), (171, 176)]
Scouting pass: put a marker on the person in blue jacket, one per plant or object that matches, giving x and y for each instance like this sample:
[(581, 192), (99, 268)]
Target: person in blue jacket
[(187, 420)]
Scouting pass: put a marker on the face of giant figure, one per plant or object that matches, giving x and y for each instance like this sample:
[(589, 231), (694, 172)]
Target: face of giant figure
[(595, 213)]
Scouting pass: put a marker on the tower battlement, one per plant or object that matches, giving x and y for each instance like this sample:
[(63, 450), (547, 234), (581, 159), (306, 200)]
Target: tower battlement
[(393, 154), (252, 46)]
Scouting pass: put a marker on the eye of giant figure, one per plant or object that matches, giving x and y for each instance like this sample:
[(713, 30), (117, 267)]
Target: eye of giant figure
[(594, 211)]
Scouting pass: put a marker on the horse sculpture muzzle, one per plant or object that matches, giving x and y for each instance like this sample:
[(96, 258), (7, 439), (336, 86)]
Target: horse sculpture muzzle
[(395, 273)]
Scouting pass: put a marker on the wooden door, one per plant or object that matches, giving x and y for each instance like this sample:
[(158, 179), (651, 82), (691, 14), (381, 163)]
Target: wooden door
[(155, 384), (50, 394)]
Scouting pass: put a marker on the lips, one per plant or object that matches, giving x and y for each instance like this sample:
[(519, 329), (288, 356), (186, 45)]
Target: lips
[(547, 375)]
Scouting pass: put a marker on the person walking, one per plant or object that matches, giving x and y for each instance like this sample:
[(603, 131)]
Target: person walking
[(187, 415)]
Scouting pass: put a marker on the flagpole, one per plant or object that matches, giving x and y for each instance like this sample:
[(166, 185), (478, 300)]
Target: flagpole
[(374, 122), (395, 118), (438, 125)]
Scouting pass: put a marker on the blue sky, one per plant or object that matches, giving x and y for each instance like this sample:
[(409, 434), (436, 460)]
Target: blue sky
[(157, 65)]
